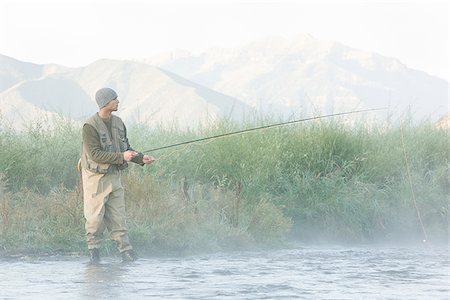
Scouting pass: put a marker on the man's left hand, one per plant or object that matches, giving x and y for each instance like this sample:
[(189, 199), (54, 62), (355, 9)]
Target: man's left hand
[(148, 159)]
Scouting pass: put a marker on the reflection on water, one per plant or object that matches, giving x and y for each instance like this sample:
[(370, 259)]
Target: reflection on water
[(303, 273), (103, 280)]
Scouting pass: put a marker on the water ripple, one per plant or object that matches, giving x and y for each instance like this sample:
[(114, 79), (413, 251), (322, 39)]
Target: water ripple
[(304, 273)]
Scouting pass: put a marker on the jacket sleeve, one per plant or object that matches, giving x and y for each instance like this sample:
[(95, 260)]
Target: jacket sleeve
[(92, 141)]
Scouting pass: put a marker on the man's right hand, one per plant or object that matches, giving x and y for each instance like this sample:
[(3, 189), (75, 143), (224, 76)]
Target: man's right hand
[(128, 155)]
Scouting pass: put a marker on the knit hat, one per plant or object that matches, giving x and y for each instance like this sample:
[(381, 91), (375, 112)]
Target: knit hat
[(104, 95)]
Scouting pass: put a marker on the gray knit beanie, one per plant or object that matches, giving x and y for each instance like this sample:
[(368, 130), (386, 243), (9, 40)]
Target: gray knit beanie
[(104, 95)]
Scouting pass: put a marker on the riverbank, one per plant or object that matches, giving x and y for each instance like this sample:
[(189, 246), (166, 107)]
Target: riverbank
[(318, 181)]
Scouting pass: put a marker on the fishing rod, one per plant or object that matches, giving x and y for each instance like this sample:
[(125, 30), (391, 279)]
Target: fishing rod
[(262, 127)]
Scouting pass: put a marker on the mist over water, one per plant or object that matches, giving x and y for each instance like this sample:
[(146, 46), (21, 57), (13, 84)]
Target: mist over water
[(302, 273)]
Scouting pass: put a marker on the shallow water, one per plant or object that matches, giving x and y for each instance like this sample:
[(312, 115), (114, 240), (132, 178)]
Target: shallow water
[(302, 273)]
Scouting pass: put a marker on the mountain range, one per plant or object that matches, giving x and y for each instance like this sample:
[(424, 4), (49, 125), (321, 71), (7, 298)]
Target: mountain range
[(311, 76), (147, 94), (287, 78)]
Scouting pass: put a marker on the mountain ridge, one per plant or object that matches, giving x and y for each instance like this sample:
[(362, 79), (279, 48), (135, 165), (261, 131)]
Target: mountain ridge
[(288, 78), (147, 95), (308, 75)]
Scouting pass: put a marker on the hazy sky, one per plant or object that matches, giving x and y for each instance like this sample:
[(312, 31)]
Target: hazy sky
[(76, 33)]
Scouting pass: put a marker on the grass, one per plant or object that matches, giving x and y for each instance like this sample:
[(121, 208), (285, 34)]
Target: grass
[(313, 181)]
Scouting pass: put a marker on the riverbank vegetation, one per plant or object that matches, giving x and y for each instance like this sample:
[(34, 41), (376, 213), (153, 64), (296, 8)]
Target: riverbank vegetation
[(313, 182)]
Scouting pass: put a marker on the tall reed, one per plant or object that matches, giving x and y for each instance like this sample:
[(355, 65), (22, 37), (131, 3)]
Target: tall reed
[(318, 181)]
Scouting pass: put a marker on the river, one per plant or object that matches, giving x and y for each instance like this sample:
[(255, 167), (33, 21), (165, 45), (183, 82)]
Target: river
[(317, 272)]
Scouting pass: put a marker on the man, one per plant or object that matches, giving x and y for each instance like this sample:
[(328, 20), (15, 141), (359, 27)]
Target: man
[(105, 152)]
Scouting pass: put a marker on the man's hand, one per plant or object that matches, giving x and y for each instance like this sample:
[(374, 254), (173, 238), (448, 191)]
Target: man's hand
[(148, 159), (128, 155)]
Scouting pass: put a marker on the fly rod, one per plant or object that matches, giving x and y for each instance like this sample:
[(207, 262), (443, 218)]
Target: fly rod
[(262, 127)]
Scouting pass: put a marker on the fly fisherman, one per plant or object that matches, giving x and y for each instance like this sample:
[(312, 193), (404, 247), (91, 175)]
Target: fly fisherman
[(105, 152)]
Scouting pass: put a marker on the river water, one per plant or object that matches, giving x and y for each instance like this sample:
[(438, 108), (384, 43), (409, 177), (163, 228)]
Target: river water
[(301, 273)]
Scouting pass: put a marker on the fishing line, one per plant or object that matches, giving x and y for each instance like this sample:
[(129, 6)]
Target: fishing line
[(183, 149), (411, 186), (262, 127)]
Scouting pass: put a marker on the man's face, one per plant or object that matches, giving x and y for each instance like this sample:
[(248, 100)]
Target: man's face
[(113, 105)]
